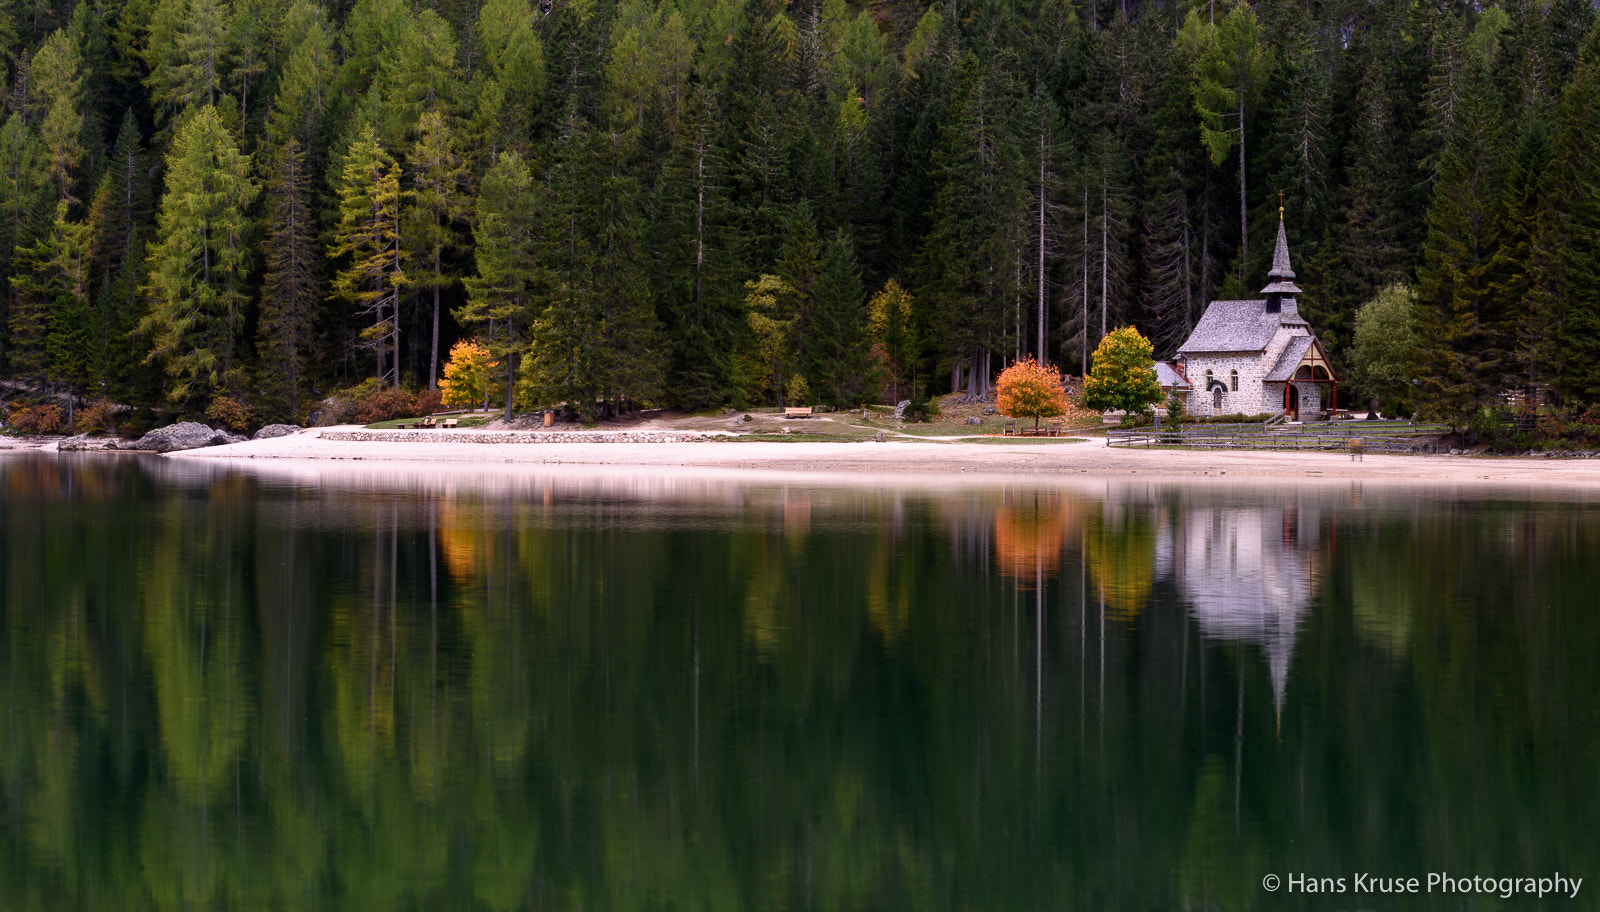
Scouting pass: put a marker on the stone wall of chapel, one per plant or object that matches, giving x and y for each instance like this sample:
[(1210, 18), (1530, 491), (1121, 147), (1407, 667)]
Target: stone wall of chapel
[(1310, 397), (1252, 397), (1247, 401)]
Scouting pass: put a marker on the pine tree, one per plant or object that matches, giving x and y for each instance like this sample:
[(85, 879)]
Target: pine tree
[(438, 205), (200, 262), (121, 207), (72, 346), (368, 233), (289, 291)]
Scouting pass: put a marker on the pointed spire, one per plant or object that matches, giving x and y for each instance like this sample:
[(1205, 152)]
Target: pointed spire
[(1282, 286), (1280, 257)]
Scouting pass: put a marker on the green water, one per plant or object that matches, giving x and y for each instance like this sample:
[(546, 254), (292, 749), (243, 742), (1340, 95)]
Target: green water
[(456, 689)]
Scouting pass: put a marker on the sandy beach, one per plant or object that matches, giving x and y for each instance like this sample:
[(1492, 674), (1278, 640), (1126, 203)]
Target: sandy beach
[(906, 458)]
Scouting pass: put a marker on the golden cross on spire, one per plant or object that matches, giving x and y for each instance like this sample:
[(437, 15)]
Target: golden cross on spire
[(1280, 205)]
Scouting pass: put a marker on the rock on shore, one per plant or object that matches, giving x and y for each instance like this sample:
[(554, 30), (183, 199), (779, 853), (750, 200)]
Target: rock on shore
[(276, 430), (185, 435)]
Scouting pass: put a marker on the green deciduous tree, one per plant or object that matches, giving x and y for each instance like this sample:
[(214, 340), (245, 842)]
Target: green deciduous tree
[(1383, 360), (1124, 375), (199, 264), (773, 309)]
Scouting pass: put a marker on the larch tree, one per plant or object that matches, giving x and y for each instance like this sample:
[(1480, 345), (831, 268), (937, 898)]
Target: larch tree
[(892, 323), (58, 83), (1229, 60), (200, 261), (368, 235)]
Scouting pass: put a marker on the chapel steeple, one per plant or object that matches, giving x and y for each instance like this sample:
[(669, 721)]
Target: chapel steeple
[(1282, 289)]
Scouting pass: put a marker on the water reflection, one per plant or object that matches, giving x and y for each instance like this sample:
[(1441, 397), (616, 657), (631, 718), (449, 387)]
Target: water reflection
[(452, 687), (1249, 574)]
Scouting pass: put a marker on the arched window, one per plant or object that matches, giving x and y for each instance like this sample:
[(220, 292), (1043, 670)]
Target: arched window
[(1233, 382), (1208, 379)]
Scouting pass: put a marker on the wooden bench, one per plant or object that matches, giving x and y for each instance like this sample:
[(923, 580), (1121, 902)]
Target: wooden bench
[(797, 411), (450, 422), (428, 424), (1009, 429)]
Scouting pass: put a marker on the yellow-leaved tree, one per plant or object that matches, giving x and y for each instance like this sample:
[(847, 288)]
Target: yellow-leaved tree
[(1029, 389), (469, 378), (1124, 374)]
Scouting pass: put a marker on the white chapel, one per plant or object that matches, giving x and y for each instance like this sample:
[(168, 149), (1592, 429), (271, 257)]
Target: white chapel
[(1257, 357)]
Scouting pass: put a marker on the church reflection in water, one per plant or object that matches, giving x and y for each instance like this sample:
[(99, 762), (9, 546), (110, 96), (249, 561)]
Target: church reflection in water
[(1249, 574)]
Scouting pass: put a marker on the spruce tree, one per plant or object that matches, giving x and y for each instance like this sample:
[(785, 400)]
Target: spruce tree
[(694, 270), (289, 290), (1567, 242), (501, 297), (1466, 358), (839, 365), (438, 205), (199, 265)]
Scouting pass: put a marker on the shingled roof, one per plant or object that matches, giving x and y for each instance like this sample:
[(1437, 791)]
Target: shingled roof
[(1232, 326), (1293, 354)]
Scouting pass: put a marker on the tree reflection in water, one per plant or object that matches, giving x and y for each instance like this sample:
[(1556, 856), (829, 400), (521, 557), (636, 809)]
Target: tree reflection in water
[(453, 688)]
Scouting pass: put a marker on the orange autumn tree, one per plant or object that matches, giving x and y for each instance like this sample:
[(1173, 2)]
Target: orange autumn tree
[(1029, 389), (468, 378)]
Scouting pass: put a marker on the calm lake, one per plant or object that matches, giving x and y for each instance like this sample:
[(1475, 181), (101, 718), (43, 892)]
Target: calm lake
[(408, 688)]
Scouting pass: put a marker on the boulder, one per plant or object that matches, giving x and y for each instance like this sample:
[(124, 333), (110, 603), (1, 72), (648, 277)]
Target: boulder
[(80, 442), (276, 430), (185, 435)]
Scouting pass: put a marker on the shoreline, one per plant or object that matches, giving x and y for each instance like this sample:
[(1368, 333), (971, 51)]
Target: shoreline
[(906, 459), (1082, 459)]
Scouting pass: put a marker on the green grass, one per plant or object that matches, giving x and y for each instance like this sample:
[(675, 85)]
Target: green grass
[(467, 421)]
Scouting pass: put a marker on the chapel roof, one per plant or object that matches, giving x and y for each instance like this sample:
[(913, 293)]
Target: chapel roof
[(1235, 326), (1293, 354)]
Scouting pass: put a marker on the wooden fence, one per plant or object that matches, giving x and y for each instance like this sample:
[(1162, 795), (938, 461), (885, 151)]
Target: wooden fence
[(1375, 436)]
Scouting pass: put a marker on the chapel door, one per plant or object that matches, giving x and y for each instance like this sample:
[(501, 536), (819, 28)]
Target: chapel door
[(1294, 402)]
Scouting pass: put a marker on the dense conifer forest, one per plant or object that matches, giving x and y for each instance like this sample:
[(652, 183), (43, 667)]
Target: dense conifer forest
[(700, 202)]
